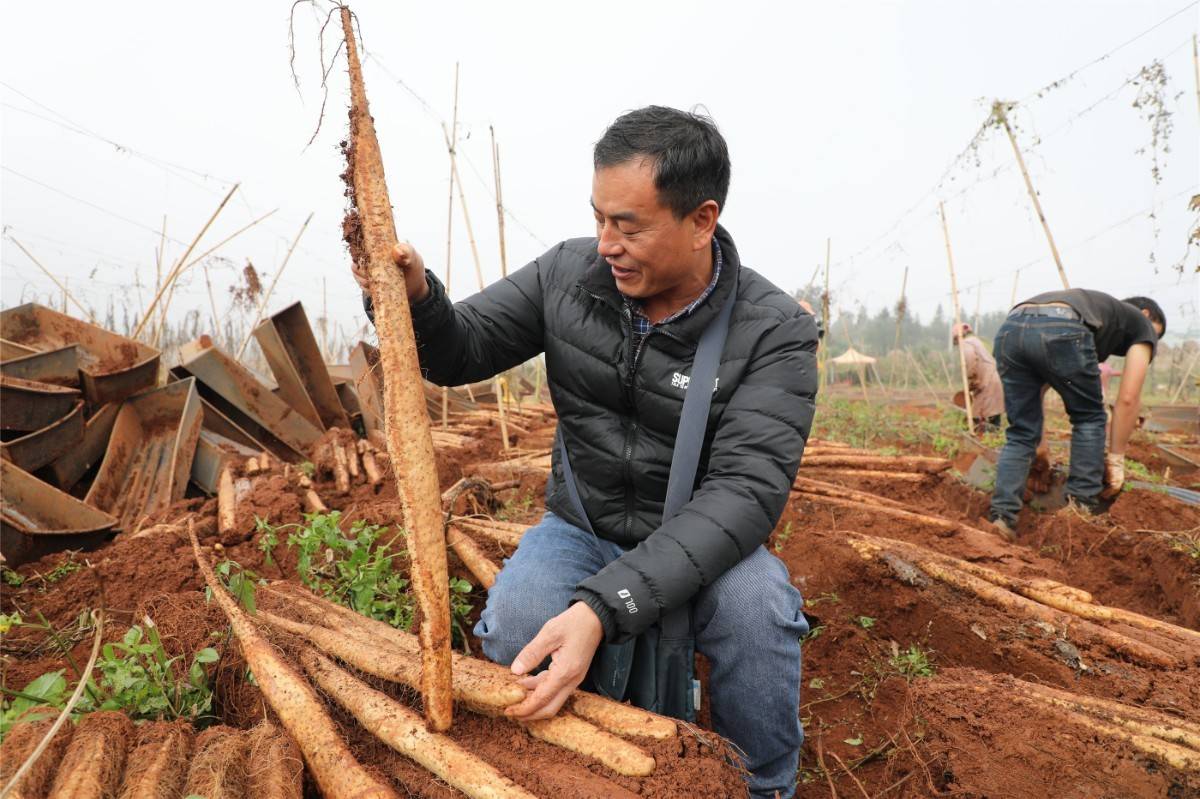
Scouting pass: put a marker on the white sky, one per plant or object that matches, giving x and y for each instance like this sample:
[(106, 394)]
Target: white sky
[(840, 117)]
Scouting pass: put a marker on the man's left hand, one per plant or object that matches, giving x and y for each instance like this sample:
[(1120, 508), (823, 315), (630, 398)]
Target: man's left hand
[(570, 640)]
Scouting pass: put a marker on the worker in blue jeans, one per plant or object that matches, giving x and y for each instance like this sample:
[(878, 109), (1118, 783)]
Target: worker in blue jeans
[(1058, 340)]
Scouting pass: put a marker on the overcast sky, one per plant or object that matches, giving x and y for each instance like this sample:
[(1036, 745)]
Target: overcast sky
[(841, 119)]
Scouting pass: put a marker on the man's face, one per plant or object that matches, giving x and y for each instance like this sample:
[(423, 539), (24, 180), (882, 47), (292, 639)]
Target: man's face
[(649, 251)]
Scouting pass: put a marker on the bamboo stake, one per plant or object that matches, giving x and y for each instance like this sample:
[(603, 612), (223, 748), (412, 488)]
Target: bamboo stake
[(499, 201), (212, 303), (450, 224), (1000, 112), (462, 199), (901, 308), (262, 306), (962, 356), (66, 294), (406, 417), (181, 264), (1187, 374), (825, 315)]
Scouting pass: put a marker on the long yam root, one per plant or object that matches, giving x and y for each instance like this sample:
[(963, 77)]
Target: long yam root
[(338, 775), (616, 717), (479, 564), (95, 758), (401, 729), (406, 416)]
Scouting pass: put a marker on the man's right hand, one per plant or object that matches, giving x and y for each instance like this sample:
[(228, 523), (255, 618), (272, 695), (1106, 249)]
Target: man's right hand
[(412, 267), (1040, 472)]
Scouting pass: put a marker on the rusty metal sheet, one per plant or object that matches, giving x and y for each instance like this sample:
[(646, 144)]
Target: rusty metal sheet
[(213, 453), (59, 367), (34, 450), (291, 351), (226, 420), (364, 362), (236, 385), (37, 519), (111, 367), (349, 399), (149, 457), (66, 471), (339, 371), (27, 405), (11, 349)]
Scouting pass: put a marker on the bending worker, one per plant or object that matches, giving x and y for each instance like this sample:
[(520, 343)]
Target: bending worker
[(610, 582), (1058, 340), (987, 398)]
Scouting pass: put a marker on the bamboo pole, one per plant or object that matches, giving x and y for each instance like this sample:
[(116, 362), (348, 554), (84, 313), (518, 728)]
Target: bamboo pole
[(1187, 374), (962, 356), (825, 314), (1000, 112), (262, 306), (862, 372), (462, 199), (450, 226), (406, 418), (212, 303), (91, 317), (181, 264), (901, 308), (499, 202)]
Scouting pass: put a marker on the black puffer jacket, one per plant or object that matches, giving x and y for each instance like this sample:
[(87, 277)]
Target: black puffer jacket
[(618, 417)]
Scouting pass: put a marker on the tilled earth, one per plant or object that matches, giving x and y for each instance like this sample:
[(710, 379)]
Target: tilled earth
[(911, 688)]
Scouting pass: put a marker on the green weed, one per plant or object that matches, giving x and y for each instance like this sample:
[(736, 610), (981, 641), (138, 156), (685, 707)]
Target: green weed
[(781, 538), (912, 663)]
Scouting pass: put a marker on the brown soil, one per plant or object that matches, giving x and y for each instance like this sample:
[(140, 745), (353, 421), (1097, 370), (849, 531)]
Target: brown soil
[(958, 732)]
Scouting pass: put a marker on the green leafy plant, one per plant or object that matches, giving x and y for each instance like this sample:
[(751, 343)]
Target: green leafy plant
[(361, 569), (9, 620), (1187, 544), (11, 577), (866, 622), (239, 581), (781, 538), (912, 663), (308, 469), (133, 675), (267, 539), (68, 566)]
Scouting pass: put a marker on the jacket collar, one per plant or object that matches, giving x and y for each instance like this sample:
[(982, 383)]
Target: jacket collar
[(598, 281)]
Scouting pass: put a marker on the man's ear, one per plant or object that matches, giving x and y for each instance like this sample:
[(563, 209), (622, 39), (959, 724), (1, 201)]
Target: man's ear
[(704, 224)]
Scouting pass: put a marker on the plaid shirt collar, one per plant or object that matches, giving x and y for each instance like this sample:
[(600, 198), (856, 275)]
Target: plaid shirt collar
[(642, 324)]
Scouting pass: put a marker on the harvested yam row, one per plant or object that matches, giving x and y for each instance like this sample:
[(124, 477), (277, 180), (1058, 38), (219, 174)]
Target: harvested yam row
[(950, 526), (479, 564), (911, 463), (1135, 733), (616, 717), (19, 744), (820, 442), (218, 769), (869, 474), (403, 730), (95, 758), (1048, 592), (1140, 720), (338, 775), (814, 451), (506, 534), (810, 486), (488, 694), (158, 762), (445, 440), (274, 768), (1007, 600)]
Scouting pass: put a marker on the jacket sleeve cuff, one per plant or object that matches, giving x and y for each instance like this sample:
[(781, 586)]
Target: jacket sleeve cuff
[(433, 299), (600, 609), (625, 596)]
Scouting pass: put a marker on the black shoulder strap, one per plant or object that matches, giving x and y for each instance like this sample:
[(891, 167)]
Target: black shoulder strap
[(693, 420)]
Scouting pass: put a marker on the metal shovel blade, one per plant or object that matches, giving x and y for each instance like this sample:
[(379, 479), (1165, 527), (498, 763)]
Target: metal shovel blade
[(37, 519)]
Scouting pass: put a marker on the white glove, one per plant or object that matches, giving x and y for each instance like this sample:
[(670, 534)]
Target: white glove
[(1114, 475)]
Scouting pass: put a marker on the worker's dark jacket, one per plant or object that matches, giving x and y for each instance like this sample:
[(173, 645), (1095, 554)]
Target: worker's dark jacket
[(618, 414)]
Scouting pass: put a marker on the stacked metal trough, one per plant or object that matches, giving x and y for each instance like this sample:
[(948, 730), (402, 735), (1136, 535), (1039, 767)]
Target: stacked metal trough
[(96, 434)]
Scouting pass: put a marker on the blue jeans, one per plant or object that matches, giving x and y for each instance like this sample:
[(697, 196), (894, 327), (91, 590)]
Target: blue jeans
[(748, 624), (1032, 352)]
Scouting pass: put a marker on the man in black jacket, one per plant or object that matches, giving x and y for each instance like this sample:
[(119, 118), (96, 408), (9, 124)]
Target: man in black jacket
[(618, 318)]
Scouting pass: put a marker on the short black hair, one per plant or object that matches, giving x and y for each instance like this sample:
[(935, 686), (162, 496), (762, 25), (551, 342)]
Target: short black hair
[(691, 161), (1155, 310)]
